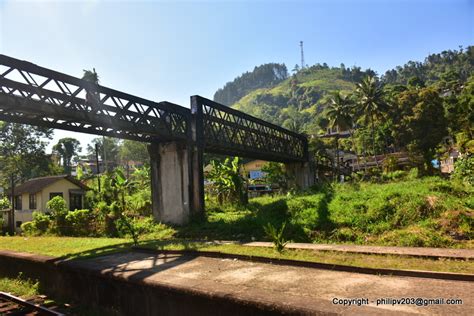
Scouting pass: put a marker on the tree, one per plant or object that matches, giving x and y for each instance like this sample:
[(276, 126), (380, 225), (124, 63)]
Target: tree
[(22, 152), (424, 125), (108, 150), (132, 150), (68, 148), (275, 174), (226, 180), (338, 113), (91, 76), (371, 105)]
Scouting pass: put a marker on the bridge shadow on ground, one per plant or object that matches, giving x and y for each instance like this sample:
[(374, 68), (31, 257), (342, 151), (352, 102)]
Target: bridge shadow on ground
[(122, 260), (245, 223)]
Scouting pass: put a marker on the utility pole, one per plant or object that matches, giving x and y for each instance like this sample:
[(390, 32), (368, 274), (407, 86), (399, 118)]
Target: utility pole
[(97, 164), (302, 55), (105, 156), (12, 213)]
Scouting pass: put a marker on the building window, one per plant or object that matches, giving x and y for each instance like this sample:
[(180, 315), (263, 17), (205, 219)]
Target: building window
[(75, 201), (54, 194), (18, 205), (32, 201)]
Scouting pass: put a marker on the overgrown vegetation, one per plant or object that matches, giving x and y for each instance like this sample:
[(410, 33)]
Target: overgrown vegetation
[(276, 236), (120, 209), (427, 212), (19, 286)]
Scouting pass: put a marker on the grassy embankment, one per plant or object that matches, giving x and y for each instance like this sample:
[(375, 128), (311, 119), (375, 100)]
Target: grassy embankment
[(427, 212)]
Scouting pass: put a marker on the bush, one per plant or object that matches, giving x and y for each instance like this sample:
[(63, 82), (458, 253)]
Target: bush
[(416, 236), (80, 222), (464, 170), (41, 224), (4, 204), (59, 210), (29, 229), (413, 174), (41, 221), (143, 227), (395, 175), (276, 236)]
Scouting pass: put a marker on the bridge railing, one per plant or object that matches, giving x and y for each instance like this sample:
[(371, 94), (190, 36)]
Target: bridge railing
[(231, 132), (35, 95)]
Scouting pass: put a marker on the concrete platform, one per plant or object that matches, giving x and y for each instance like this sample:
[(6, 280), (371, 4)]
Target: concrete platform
[(144, 283), (306, 290), (449, 253)]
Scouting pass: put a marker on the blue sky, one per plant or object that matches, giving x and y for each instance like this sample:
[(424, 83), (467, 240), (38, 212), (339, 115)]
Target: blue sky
[(169, 50)]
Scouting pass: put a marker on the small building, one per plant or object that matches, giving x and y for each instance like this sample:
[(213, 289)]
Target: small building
[(252, 170), (34, 194)]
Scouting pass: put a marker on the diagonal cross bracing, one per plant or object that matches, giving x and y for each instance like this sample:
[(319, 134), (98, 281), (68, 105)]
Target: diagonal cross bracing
[(38, 96), (231, 132), (34, 95)]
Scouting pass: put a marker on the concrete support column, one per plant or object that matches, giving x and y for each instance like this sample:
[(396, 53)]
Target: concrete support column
[(300, 174), (171, 185)]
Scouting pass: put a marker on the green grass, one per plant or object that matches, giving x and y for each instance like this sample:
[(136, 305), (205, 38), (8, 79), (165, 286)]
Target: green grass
[(19, 286), (82, 248), (73, 247), (428, 212), (26, 288), (329, 257)]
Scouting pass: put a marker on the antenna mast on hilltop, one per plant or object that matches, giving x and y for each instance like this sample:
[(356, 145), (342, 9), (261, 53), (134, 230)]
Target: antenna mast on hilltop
[(302, 55)]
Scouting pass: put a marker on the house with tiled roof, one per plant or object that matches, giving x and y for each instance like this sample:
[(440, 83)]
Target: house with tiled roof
[(34, 194)]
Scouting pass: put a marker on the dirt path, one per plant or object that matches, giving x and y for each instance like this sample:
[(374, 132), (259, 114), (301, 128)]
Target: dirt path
[(308, 289)]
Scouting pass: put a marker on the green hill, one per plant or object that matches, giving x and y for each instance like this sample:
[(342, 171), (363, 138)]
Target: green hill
[(296, 101)]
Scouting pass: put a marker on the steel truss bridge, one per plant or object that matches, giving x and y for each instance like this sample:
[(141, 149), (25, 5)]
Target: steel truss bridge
[(177, 136), (34, 95)]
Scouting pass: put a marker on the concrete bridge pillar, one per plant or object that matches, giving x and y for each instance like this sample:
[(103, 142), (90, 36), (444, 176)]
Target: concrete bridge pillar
[(171, 182), (300, 174)]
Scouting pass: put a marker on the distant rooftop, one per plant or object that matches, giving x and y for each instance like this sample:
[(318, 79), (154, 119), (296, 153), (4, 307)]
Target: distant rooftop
[(37, 184)]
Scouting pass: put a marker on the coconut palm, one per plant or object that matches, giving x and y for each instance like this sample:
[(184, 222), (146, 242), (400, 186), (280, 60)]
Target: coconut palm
[(338, 113), (371, 104), (91, 76)]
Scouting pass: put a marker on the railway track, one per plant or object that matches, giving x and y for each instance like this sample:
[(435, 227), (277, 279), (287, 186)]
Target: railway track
[(35, 305)]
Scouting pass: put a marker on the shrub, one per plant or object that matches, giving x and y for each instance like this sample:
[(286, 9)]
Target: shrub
[(59, 210), (41, 221), (143, 227), (395, 175), (413, 174), (276, 236), (29, 229), (4, 204), (464, 170), (80, 222), (344, 234), (416, 236)]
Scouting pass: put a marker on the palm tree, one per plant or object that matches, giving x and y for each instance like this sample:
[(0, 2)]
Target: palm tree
[(338, 113), (371, 104), (91, 76)]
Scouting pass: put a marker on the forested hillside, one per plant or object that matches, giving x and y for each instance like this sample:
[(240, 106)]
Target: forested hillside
[(393, 112), (297, 101), (263, 76)]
